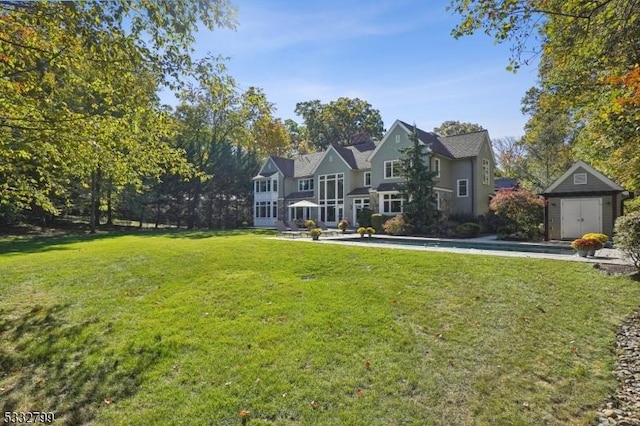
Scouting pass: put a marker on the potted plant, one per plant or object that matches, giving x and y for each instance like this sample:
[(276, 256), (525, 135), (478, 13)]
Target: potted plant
[(602, 238), (586, 245), (370, 231), (362, 230), (315, 233), (343, 225), (310, 224)]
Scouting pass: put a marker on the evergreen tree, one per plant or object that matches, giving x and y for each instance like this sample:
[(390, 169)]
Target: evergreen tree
[(420, 209)]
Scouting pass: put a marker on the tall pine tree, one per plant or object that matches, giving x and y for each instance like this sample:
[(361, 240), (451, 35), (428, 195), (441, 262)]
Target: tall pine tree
[(420, 209)]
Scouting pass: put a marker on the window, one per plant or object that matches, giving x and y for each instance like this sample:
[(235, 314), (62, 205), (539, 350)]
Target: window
[(305, 184), (391, 169), (486, 171), (392, 203), (436, 166), (397, 138), (463, 190), (274, 186), (331, 197), (580, 179), (266, 209), (265, 185), (367, 178), (437, 195)]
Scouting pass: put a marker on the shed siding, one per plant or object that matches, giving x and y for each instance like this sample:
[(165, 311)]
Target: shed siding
[(593, 184), (555, 218)]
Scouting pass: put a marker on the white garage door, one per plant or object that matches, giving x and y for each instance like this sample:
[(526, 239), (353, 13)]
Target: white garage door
[(579, 216)]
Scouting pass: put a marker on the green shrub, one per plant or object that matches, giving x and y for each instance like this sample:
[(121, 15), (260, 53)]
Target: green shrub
[(504, 232), (467, 230), (397, 225), (364, 217), (627, 236), (377, 220), (461, 217)]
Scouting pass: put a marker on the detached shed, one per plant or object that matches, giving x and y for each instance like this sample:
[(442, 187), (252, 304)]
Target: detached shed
[(580, 201)]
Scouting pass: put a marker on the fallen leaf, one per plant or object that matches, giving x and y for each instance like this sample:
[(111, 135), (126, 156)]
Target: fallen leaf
[(359, 393), (367, 364), (244, 414), (108, 400), (314, 405)]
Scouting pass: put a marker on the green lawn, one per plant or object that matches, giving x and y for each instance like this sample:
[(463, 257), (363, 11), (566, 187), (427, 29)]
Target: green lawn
[(193, 328)]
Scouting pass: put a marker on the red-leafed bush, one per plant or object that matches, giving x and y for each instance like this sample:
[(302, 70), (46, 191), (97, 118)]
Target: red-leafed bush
[(522, 209)]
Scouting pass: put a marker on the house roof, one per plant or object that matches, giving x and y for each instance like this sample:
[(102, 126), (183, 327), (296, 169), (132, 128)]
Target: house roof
[(285, 165), (505, 183), (300, 195), (357, 155), (429, 138), (390, 186), (465, 145), (590, 170), (459, 146), (363, 190), (305, 165), (264, 175)]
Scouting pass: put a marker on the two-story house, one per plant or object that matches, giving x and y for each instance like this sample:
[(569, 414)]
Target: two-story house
[(341, 181)]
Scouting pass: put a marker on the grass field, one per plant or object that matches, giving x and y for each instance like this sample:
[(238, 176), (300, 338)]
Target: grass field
[(195, 328)]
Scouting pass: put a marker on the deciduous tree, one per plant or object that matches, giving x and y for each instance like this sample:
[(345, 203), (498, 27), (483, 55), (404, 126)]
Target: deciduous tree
[(344, 121), (452, 128)]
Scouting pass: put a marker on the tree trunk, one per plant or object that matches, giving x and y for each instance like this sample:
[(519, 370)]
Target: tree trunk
[(92, 208), (109, 206)]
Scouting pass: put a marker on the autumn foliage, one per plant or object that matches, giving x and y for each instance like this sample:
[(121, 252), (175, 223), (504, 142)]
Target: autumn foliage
[(522, 208)]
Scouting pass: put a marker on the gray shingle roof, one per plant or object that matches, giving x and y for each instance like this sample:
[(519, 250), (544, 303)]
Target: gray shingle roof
[(361, 153), (300, 195), (284, 164), (390, 186), (305, 165), (465, 145), (363, 190), (458, 146)]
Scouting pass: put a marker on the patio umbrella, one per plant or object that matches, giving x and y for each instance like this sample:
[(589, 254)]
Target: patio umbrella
[(304, 203)]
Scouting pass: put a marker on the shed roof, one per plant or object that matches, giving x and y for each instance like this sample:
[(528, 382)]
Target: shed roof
[(608, 182)]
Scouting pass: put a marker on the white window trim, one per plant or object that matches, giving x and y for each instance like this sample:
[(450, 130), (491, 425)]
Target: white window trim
[(310, 180), (382, 200), (436, 166), (393, 169), (397, 138), (458, 188), (486, 171), (364, 180), (581, 179), (438, 200)]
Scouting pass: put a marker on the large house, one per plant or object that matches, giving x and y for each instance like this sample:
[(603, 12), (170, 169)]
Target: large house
[(341, 181)]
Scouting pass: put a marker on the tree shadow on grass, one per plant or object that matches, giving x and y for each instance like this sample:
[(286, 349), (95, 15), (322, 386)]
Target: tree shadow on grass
[(48, 364), (40, 244)]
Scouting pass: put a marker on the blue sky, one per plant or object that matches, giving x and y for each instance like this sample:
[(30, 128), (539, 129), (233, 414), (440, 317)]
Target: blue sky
[(398, 55)]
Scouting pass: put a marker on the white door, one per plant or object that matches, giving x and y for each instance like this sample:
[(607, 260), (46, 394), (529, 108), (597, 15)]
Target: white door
[(579, 216)]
